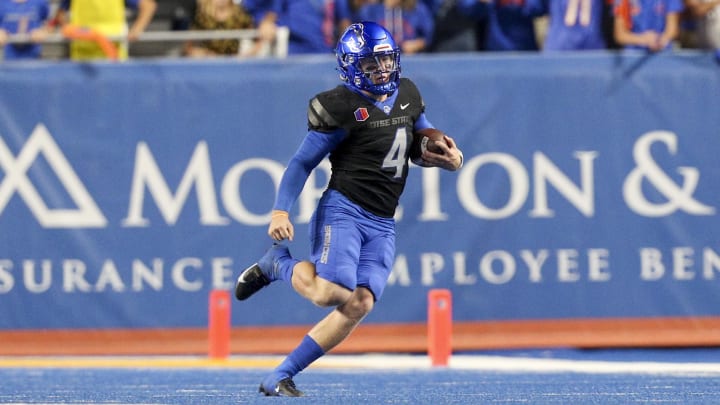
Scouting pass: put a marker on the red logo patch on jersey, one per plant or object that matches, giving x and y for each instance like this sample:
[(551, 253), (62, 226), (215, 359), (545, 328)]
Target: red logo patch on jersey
[(361, 114)]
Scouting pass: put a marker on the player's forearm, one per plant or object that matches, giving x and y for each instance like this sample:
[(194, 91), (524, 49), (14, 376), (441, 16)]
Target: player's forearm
[(291, 185), (313, 149)]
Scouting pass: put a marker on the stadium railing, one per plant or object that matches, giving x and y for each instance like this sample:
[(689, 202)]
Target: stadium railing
[(166, 39)]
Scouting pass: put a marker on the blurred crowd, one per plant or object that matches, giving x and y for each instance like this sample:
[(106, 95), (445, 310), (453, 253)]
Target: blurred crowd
[(93, 27)]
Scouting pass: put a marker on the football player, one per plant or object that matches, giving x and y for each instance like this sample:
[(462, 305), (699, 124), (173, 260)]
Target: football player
[(366, 125)]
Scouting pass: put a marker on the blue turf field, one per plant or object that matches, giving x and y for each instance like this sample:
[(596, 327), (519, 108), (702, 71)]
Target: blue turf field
[(542, 377)]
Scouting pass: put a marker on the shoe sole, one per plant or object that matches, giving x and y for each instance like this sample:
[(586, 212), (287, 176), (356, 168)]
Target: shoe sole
[(267, 393), (279, 393)]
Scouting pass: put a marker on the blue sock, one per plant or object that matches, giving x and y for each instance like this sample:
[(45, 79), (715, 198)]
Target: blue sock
[(285, 267), (307, 351), (277, 263)]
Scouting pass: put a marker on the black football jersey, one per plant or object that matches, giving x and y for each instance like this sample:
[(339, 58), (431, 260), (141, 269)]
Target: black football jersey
[(370, 165)]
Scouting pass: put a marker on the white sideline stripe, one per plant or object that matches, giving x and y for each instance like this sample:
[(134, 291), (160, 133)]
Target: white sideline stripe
[(371, 362), (520, 364)]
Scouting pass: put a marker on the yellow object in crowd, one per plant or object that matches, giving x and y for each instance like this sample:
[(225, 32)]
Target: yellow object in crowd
[(106, 17)]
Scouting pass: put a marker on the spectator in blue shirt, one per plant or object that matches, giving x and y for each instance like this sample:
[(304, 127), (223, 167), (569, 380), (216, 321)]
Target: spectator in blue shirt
[(573, 24), (647, 24), (314, 24), (27, 17), (509, 25), (410, 22)]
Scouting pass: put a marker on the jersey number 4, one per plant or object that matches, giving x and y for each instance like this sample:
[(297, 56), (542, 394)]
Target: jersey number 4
[(396, 158)]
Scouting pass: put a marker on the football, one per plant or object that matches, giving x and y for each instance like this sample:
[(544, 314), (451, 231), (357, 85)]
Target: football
[(425, 139)]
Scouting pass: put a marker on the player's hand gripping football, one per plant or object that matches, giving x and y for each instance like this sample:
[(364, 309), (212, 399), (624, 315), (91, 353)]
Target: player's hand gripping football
[(449, 157), (280, 226)]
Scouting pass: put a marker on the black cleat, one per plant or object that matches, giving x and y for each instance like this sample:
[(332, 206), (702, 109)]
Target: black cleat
[(251, 280), (285, 387)]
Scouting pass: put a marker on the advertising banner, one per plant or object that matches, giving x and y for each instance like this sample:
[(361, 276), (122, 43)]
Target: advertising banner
[(589, 189)]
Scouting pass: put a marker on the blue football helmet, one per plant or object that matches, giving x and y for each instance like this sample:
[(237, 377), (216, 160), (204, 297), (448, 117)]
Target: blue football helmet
[(370, 45)]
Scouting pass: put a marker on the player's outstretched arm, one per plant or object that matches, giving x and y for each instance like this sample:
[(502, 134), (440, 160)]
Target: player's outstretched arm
[(450, 157), (314, 148)]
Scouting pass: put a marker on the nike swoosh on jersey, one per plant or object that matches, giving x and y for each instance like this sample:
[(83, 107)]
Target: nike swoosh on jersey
[(404, 106)]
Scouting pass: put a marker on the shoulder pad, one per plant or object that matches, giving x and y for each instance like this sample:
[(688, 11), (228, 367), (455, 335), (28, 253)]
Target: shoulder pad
[(325, 109)]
